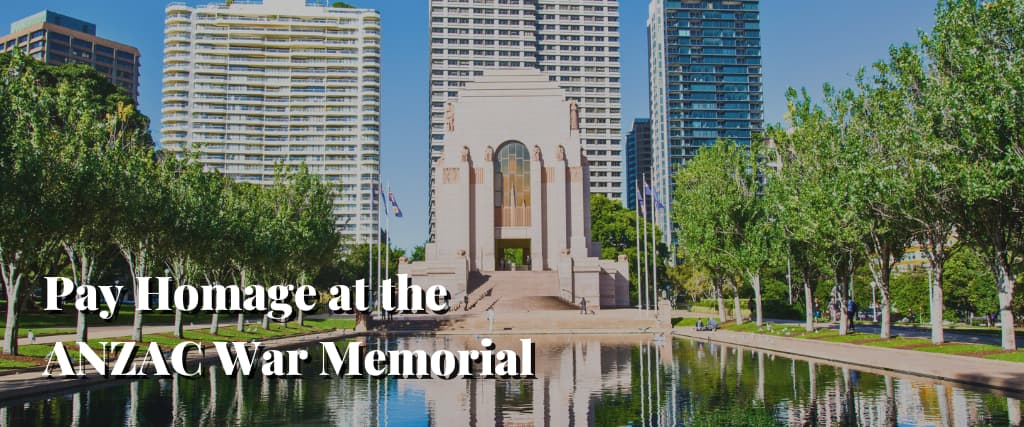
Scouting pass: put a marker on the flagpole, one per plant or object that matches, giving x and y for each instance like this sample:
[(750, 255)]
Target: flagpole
[(636, 213), (647, 269), (387, 238), (380, 190), (654, 244)]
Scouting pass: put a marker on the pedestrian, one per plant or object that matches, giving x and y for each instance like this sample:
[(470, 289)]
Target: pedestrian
[(751, 306), (583, 306), (490, 320), (851, 312)]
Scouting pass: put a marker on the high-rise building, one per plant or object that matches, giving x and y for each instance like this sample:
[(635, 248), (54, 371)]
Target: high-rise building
[(58, 39), (576, 42), (638, 157), (705, 82), (252, 85)]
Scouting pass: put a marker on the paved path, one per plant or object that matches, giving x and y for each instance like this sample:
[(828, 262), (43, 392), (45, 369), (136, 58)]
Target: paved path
[(1008, 376), (915, 332)]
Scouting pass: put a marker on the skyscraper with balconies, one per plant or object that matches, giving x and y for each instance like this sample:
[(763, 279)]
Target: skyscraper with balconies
[(60, 39), (250, 85), (576, 42), (705, 82)]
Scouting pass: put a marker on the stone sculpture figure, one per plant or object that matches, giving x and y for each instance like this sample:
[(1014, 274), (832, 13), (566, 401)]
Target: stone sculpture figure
[(560, 154), (574, 116), (489, 154), (536, 152), (465, 153), (449, 117)]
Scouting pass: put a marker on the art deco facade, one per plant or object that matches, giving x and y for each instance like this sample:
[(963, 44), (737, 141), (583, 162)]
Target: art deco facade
[(250, 86), (705, 82), (576, 42), (58, 39)]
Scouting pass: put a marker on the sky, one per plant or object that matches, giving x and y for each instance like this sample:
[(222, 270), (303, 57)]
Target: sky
[(805, 43)]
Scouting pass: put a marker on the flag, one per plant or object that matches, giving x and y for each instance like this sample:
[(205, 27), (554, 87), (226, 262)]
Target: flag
[(383, 200), (658, 202), (647, 191), (641, 202), (394, 205)]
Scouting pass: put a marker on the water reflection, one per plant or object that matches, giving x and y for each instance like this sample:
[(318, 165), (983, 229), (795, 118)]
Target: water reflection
[(628, 380)]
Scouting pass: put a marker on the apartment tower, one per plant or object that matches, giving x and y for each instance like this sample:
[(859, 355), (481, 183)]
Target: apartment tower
[(250, 85), (705, 83), (576, 42), (59, 39)]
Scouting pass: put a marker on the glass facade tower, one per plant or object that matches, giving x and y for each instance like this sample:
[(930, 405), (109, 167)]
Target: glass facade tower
[(705, 82)]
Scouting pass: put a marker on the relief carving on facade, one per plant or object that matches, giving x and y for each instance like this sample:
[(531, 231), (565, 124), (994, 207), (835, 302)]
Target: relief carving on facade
[(464, 156), (451, 175), (489, 154), (536, 153), (576, 174), (477, 177), (560, 154)]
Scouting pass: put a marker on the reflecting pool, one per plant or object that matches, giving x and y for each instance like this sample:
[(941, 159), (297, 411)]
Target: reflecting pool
[(581, 380)]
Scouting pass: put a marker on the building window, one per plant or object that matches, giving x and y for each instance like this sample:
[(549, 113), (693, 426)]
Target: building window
[(512, 185)]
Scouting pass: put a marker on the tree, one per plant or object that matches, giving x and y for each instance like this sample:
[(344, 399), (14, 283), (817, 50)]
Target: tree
[(976, 72), (811, 198), (140, 194), (614, 228), (25, 154), (721, 210), (189, 222)]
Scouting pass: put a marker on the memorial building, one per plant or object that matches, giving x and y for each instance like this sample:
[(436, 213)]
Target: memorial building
[(513, 194)]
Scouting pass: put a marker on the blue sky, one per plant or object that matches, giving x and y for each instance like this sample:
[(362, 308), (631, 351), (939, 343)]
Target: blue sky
[(805, 43)]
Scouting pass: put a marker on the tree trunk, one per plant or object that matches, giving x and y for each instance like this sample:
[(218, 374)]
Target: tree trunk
[(886, 331), (11, 328), (721, 301), (755, 282), (136, 259), (809, 304), (241, 314), (1004, 285), (883, 290), (214, 323), (736, 302), (937, 304), (179, 331), (842, 285)]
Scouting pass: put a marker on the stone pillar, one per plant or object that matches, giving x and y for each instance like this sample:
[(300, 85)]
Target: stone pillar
[(536, 210), (578, 240), (558, 211), (485, 215)]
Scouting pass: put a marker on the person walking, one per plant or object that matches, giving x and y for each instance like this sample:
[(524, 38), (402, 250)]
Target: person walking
[(583, 306), (751, 306), (851, 313)]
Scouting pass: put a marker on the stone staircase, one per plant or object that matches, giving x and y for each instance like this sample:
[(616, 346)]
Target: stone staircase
[(517, 291)]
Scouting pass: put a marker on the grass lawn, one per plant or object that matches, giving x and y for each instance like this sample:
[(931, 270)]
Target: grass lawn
[(226, 332), (69, 318), (684, 321), (852, 337), (42, 332), (1017, 356), (899, 342), (15, 364), (955, 348)]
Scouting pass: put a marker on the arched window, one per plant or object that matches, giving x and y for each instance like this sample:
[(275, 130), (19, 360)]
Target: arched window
[(512, 185)]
